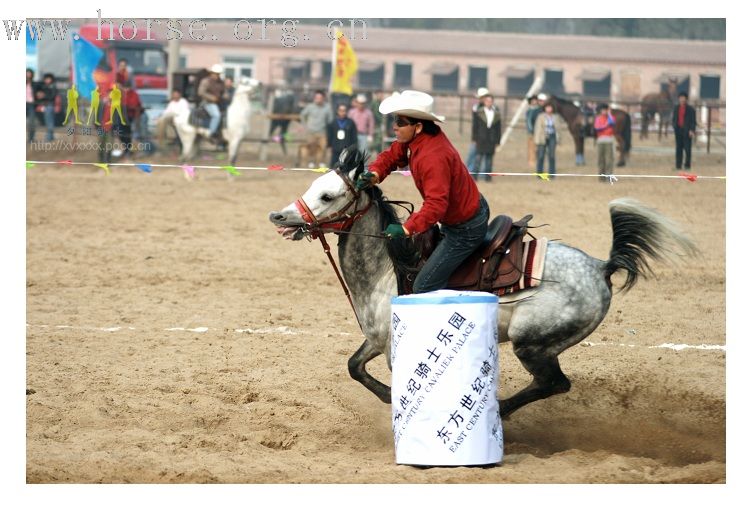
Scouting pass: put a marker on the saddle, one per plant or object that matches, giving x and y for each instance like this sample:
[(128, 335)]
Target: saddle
[(494, 265)]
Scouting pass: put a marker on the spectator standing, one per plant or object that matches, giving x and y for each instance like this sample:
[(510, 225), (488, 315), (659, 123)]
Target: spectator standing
[(46, 95), (341, 133), (486, 135), (315, 117), (604, 139), (131, 102), (685, 123), (364, 122), (533, 109), (480, 94), (549, 127), (31, 115), (283, 107)]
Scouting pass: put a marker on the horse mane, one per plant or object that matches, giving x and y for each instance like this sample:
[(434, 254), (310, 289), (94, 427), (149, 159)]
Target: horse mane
[(404, 253)]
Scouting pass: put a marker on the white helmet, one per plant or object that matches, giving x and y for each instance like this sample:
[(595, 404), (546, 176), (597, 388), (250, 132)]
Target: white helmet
[(216, 68)]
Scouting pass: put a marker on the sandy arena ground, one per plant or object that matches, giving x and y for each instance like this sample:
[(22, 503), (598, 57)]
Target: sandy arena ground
[(138, 285)]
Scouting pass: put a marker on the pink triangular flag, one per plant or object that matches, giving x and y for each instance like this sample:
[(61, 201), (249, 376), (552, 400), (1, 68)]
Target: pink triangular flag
[(189, 171)]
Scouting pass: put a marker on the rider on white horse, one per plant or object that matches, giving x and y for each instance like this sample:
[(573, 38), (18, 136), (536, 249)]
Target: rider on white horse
[(450, 195), (210, 91)]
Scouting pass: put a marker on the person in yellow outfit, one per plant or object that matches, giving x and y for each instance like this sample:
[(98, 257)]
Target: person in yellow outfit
[(72, 105), (94, 109), (115, 106)]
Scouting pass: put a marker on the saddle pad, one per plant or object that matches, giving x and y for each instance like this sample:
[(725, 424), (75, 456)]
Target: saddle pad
[(533, 259)]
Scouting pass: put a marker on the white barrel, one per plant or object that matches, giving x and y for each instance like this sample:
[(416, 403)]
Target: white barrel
[(445, 378)]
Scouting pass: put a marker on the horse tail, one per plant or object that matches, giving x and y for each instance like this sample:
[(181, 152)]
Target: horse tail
[(642, 234), (627, 132)]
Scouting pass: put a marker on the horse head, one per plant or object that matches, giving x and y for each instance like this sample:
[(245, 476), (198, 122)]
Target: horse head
[(246, 87), (329, 203)]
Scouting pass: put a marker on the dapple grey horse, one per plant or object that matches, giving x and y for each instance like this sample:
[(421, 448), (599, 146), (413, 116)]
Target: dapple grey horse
[(541, 322)]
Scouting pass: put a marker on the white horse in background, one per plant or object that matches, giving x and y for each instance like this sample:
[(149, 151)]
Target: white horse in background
[(238, 121)]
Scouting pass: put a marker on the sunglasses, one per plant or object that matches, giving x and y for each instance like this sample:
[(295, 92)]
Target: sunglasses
[(399, 121)]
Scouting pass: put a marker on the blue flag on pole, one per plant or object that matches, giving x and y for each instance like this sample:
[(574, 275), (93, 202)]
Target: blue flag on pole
[(86, 56)]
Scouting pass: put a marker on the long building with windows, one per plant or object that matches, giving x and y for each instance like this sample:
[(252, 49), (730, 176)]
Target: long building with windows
[(454, 62)]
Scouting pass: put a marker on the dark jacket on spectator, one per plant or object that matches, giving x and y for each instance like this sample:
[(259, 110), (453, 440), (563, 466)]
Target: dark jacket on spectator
[(486, 139)]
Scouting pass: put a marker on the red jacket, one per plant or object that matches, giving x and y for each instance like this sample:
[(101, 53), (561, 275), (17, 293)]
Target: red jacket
[(604, 125), (449, 193)]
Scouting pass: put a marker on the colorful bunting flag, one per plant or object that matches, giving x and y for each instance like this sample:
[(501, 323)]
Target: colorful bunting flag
[(543, 176), (691, 178), (29, 164), (275, 167), (231, 170), (105, 167), (189, 171), (320, 170), (146, 168), (66, 162), (612, 179)]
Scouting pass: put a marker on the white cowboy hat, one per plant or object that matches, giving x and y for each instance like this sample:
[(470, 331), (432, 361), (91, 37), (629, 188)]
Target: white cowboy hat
[(410, 103), (542, 97), (483, 92), (361, 98), (217, 69)]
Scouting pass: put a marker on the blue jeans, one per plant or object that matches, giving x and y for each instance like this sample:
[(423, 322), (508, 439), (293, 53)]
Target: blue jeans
[(459, 242), (470, 163), (551, 146), (483, 164), (49, 121), (213, 110)]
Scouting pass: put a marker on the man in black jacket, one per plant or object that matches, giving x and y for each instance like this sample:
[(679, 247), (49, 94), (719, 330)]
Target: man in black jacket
[(341, 133), (486, 135), (684, 123)]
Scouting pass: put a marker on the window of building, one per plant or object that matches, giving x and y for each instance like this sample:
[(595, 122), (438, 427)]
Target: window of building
[(596, 83), (297, 71), (710, 87), (326, 69), (553, 81), (519, 79), (477, 77), (681, 80), (445, 77), (403, 75), (371, 75), (238, 66)]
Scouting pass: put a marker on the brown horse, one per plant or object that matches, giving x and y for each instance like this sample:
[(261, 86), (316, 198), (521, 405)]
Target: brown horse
[(581, 126), (661, 104)]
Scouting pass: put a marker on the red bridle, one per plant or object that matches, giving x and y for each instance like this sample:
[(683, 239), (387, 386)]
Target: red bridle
[(341, 220)]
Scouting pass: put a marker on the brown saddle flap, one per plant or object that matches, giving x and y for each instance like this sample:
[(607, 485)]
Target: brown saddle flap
[(497, 262)]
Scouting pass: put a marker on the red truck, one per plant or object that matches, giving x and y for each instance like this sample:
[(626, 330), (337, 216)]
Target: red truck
[(147, 60)]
